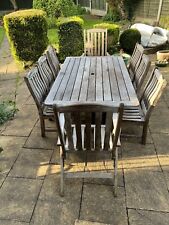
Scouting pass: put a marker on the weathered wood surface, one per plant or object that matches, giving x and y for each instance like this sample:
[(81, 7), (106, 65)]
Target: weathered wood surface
[(102, 79)]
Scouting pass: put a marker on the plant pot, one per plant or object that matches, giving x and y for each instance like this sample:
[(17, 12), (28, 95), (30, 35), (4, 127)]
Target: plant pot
[(163, 55)]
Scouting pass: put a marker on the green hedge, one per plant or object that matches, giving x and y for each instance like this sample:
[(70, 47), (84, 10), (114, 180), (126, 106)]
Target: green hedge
[(164, 22), (70, 34), (27, 33), (112, 34)]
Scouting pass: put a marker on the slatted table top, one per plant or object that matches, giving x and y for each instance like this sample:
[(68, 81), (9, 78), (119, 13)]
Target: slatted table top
[(102, 79)]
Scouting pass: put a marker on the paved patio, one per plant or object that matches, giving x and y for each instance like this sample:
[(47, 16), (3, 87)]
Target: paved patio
[(29, 164)]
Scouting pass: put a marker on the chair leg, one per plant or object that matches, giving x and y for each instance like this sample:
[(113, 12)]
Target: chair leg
[(144, 134), (115, 171), (42, 124), (61, 173)]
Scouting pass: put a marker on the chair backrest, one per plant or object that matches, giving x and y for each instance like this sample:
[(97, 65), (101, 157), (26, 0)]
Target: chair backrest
[(136, 57), (36, 86), (53, 60), (152, 92), (45, 71), (95, 42), (141, 72), (85, 134)]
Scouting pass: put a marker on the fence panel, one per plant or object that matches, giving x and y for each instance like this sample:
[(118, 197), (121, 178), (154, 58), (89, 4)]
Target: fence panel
[(84, 3), (149, 8)]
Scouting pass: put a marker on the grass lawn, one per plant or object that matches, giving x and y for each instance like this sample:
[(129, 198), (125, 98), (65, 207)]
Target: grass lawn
[(1, 35), (89, 21)]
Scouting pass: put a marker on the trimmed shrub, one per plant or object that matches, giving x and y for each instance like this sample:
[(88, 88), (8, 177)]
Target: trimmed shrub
[(70, 34), (112, 34), (164, 22), (128, 39), (27, 34)]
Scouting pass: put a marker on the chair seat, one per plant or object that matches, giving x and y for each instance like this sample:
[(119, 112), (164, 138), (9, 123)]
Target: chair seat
[(133, 114)]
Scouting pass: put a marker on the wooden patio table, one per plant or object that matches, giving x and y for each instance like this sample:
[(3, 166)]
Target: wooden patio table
[(98, 79)]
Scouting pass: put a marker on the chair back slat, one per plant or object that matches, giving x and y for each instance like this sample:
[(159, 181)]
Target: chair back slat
[(69, 131), (45, 71), (36, 86), (152, 91), (98, 121), (53, 60), (141, 72), (77, 121), (136, 56), (108, 130), (88, 131), (84, 127), (95, 42)]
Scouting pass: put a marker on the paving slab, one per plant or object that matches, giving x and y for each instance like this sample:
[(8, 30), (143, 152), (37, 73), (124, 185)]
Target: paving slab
[(146, 190), (11, 148), (18, 198), (99, 205), (7, 94), (12, 222), (36, 141), (22, 93), (140, 217), (53, 209), (51, 189), (157, 125), (23, 122), (2, 178), (55, 213), (132, 133), (161, 143), (166, 176), (138, 156), (31, 164), (84, 222)]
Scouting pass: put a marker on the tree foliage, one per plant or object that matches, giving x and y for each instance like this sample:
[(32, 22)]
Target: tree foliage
[(14, 4), (124, 7)]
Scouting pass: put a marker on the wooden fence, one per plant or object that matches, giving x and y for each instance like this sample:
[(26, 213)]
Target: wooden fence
[(96, 7), (150, 9)]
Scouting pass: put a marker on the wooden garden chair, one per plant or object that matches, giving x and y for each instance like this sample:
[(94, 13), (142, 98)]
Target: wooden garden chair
[(135, 60), (39, 89), (141, 73), (95, 42), (148, 101), (78, 133), (53, 60), (45, 71)]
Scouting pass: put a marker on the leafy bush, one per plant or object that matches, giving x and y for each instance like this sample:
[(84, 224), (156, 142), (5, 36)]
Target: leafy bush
[(164, 22), (112, 16), (51, 21), (128, 39), (112, 34), (70, 34), (57, 8), (49, 6), (27, 33), (67, 8), (7, 111)]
